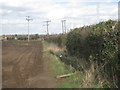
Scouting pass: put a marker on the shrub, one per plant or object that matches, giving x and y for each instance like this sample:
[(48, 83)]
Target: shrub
[(73, 43)]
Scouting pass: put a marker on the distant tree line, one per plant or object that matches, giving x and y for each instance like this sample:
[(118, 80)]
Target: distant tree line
[(23, 37)]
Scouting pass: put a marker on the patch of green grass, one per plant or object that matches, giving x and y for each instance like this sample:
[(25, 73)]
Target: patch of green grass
[(55, 65), (58, 67), (46, 46), (74, 81)]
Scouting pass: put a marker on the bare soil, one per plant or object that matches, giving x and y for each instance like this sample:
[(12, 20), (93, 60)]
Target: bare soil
[(23, 66)]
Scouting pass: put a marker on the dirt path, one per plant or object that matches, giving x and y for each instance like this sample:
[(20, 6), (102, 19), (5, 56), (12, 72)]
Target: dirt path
[(24, 67)]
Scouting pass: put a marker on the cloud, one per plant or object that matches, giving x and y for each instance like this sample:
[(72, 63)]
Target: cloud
[(76, 12), (8, 10), (62, 2)]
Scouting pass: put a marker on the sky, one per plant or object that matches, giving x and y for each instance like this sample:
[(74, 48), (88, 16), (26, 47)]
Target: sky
[(77, 13)]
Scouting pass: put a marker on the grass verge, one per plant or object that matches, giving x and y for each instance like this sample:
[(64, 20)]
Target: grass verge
[(57, 67)]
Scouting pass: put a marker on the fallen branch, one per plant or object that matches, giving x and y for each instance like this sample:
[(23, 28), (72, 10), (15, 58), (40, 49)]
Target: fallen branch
[(66, 75)]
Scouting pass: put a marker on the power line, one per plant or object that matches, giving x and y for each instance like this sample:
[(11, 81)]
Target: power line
[(28, 19), (47, 24)]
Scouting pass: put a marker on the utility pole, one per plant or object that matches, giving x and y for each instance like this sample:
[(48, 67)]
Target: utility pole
[(63, 26), (28, 19), (47, 24)]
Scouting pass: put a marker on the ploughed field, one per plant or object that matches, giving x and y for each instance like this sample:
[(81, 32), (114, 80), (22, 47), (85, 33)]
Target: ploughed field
[(24, 67)]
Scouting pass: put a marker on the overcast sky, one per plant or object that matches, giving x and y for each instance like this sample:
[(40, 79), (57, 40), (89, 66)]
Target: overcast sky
[(76, 13)]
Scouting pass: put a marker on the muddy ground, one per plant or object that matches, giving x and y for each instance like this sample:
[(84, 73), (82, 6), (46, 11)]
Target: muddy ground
[(23, 66)]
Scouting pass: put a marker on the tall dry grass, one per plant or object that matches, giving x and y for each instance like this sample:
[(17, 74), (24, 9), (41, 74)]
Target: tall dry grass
[(54, 48), (95, 76)]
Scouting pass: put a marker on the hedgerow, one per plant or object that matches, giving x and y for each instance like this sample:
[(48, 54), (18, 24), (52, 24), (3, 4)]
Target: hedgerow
[(100, 45), (97, 43), (59, 39)]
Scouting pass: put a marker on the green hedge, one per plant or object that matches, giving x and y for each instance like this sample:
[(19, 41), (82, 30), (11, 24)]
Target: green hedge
[(100, 44), (74, 43), (93, 40)]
